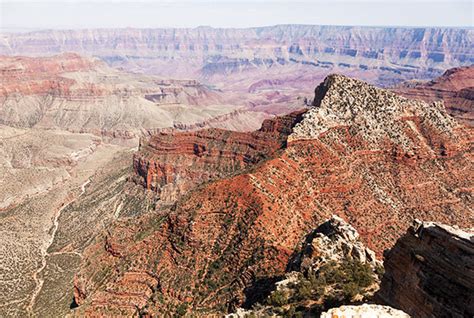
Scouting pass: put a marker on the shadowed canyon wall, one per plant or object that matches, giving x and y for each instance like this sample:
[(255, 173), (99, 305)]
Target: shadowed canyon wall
[(429, 272)]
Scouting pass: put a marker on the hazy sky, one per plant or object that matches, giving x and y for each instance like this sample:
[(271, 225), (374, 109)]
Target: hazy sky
[(232, 13)]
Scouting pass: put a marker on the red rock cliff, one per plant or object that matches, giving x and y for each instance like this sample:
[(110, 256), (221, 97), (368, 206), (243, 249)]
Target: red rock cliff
[(171, 163), (29, 75), (376, 159), (455, 87)]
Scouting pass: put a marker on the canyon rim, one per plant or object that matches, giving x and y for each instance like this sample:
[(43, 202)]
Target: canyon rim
[(198, 158)]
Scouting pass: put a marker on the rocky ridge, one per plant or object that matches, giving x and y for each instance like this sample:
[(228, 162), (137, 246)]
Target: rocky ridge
[(227, 239), (373, 112)]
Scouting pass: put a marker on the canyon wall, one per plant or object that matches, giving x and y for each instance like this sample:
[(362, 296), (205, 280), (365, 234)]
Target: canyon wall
[(172, 163), (455, 87), (285, 53), (430, 272), (81, 94), (376, 159)]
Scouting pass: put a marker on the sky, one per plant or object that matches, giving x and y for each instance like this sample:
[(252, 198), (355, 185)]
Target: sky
[(79, 14)]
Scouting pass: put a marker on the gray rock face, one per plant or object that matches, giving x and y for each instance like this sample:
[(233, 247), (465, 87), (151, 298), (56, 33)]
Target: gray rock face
[(335, 240), (375, 113), (430, 272)]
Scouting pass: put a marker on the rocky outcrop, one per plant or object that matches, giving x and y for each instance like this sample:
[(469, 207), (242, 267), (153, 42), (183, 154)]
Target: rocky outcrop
[(171, 163), (455, 87), (365, 310), (374, 113), (334, 240), (430, 272), (332, 266), (225, 240)]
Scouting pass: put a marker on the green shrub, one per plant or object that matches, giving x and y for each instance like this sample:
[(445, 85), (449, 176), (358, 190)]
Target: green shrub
[(303, 290), (380, 271), (278, 298), (181, 310), (349, 290), (358, 273)]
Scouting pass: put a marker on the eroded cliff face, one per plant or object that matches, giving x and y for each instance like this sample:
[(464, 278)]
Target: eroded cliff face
[(365, 154), (284, 58), (82, 94), (455, 87), (430, 271), (213, 50), (173, 163)]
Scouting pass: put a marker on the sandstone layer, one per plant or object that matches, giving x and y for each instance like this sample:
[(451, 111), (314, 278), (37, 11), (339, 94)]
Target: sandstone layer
[(430, 271), (172, 163), (455, 87), (376, 159), (264, 68), (79, 94)]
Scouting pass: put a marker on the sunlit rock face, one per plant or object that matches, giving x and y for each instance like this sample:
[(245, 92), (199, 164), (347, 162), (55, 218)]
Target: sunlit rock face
[(364, 311), (229, 234)]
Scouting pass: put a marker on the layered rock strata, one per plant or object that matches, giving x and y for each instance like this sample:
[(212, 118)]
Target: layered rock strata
[(172, 163), (455, 87), (367, 155), (430, 271), (80, 94), (381, 53)]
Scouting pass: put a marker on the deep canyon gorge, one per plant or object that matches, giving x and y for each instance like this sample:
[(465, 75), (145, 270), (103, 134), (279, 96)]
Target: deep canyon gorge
[(283, 170)]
